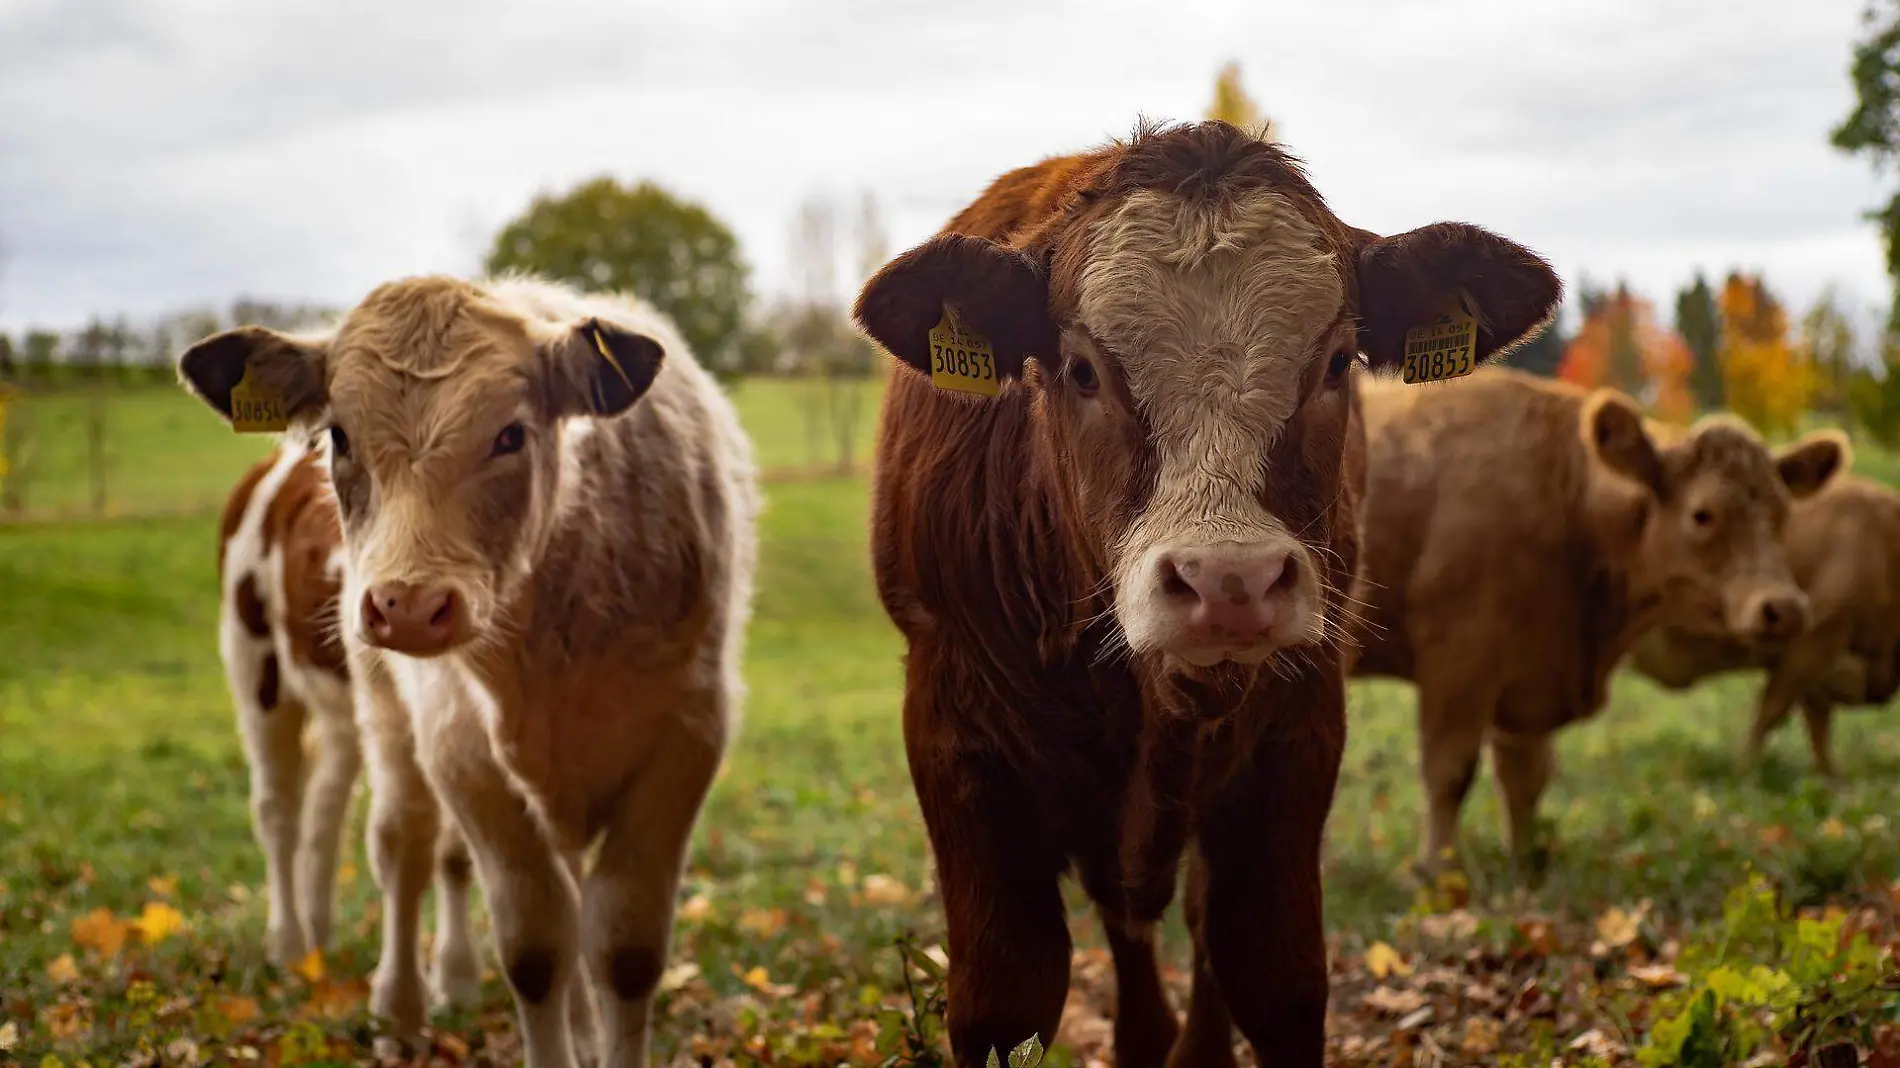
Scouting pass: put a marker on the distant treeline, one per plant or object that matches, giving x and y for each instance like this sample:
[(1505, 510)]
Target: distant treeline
[(118, 350)]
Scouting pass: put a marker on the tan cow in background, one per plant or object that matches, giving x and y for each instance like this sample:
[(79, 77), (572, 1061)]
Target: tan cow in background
[(547, 510), (1844, 548), (1521, 534)]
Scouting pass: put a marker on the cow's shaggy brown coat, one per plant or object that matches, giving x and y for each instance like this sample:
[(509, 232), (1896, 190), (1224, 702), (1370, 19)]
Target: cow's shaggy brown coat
[(1122, 580)]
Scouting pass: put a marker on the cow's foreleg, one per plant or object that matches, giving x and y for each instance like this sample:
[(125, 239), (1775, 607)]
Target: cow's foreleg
[(628, 898), (273, 741), (1207, 1041), (1262, 928), (1452, 723), (456, 970), (1777, 700), (403, 820), (1523, 764), (1819, 715)]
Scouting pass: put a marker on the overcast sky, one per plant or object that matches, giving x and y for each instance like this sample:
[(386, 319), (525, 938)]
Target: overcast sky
[(161, 154)]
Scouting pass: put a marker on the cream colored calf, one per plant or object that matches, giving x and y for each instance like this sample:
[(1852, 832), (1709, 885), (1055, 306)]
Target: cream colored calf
[(547, 512)]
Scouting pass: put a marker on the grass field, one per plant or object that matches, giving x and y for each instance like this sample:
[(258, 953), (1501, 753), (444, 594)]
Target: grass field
[(131, 914)]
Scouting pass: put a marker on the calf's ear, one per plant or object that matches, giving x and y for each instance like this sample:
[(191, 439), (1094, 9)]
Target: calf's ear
[(998, 293), (1613, 430), (1408, 280), (286, 369), (598, 367), (1809, 464)]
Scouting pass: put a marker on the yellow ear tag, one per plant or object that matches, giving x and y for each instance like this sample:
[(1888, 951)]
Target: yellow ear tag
[(960, 360), (255, 410), (1448, 348)]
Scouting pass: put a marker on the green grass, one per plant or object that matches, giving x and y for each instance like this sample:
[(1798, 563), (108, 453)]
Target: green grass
[(119, 765)]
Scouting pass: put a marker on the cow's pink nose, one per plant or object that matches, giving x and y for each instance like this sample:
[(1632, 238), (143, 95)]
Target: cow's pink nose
[(418, 620), (1231, 594)]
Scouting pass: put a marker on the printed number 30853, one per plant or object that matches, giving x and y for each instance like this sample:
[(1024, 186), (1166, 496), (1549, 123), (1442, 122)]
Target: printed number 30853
[(955, 360)]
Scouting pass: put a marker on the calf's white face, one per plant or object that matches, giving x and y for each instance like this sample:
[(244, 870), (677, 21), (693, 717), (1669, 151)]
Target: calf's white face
[(442, 413)]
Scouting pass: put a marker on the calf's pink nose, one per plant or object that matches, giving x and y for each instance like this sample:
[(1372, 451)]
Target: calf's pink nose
[(1231, 592), (411, 619)]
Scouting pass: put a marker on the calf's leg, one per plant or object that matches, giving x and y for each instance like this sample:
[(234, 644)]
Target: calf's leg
[(1145, 1026), (339, 758), (628, 898), (1452, 723), (1819, 715), (1777, 700), (456, 971), (404, 818), (273, 741), (1208, 1039)]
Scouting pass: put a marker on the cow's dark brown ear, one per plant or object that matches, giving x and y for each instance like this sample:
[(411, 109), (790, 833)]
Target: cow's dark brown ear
[(288, 369), (1809, 464), (998, 293), (598, 367), (1408, 280), (1613, 429)]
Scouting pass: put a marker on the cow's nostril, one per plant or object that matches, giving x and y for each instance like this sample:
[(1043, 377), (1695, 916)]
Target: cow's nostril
[(442, 614), (1174, 584), (1289, 576), (1770, 615)]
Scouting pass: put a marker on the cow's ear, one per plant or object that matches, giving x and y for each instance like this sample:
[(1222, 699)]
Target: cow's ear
[(1613, 430), (1809, 464), (1408, 280), (284, 372), (997, 293), (597, 367)]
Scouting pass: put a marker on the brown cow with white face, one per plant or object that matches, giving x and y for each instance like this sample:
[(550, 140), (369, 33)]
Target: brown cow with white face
[(1122, 577), (1522, 534), (547, 511)]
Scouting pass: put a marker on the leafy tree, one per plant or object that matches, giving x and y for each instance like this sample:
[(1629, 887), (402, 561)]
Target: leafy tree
[(1872, 128), (1827, 344), (1765, 378), (8, 369), (605, 236), (39, 353), (1622, 345), (1700, 325), (1231, 104)]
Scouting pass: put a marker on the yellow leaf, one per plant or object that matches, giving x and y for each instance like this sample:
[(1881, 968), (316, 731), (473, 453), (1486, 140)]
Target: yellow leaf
[(163, 885), (1833, 828), (1383, 960), (100, 931), (62, 969), (757, 978), (158, 922), (676, 977), (1617, 928), (311, 966)]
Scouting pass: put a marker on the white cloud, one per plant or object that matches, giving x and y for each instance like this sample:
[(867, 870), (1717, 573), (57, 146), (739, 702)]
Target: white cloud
[(166, 153)]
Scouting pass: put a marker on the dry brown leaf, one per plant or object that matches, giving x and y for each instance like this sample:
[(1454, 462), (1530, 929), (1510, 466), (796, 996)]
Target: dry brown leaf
[(1481, 1037), (1456, 925), (9, 1036), (697, 908), (1618, 928), (1657, 976), (1390, 1001), (451, 1045), (163, 885), (237, 1009), (881, 889), (1595, 1043), (101, 932), (1416, 1020)]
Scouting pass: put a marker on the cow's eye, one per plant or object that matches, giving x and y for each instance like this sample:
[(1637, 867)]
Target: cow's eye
[(510, 440), (339, 443), (1082, 373), (1337, 367)]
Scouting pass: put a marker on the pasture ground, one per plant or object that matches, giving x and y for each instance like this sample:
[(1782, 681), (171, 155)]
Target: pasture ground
[(131, 911)]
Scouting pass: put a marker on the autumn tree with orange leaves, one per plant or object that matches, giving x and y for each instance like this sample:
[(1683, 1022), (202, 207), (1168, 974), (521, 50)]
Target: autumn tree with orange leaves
[(1622, 345), (1766, 378)]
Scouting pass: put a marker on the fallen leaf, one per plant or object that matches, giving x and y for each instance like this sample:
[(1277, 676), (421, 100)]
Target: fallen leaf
[(1456, 925), (762, 923), (881, 889), (237, 1008), (311, 966), (1618, 928), (9, 1036), (163, 885), (1540, 937), (451, 1045), (1481, 1037), (1774, 834), (1388, 1001), (62, 970), (1833, 828), (1383, 960), (676, 977), (158, 922), (1657, 976), (759, 980), (1596, 1044), (100, 931), (66, 1020), (1416, 1020), (696, 909)]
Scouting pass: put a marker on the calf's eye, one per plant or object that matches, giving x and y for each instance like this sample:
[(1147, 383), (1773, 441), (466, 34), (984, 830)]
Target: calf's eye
[(1337, 367), (511, 439), (339, 443), (1082, 373)]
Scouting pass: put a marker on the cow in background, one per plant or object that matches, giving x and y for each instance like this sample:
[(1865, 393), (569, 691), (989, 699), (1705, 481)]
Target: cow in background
[(1522, 534), (1844, 548), (547, 521), (1121, 567)]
